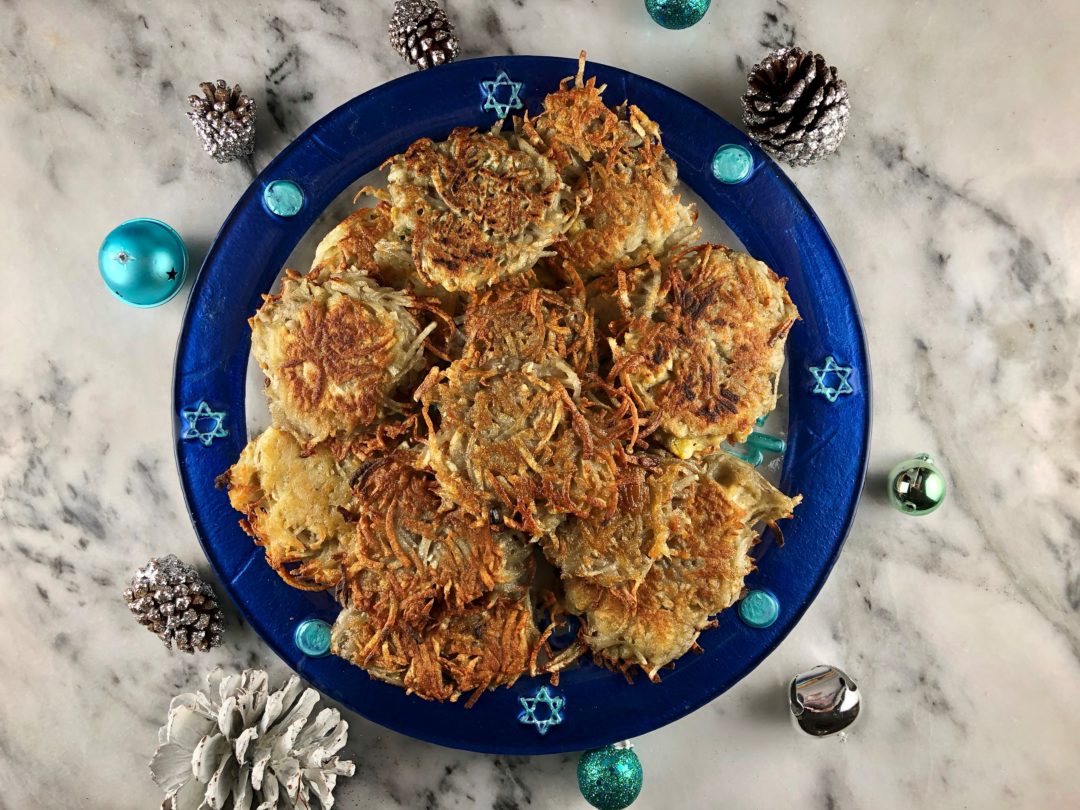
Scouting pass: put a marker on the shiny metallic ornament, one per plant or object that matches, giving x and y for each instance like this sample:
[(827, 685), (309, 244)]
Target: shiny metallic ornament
[(677, 14), (143, 262), (225, 121), (610, 777), (916, 486), (422, 33), (823, 700)]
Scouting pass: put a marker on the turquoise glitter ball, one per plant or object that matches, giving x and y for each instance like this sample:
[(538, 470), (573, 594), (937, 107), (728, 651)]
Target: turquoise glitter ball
[(610, 777), (312, 637), (677, 14), (732, 164), (284, 198), (759, 609), (143, 262)]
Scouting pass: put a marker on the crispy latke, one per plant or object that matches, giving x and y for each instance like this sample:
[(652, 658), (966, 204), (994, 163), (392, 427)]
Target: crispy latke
[(411, 554), (296, 505), (698, 342), (476, 208), (525, 446), (615, 160), (335, 346), (619, 549), (514, 325), (651, 624), (490, 643)]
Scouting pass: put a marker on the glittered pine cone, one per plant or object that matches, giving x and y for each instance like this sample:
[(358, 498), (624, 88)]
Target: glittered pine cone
[(224, 120), (422, 33), (795, 106), (169, 598)]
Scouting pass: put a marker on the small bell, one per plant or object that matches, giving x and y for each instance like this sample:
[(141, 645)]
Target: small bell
[(917, 486), (823, 700)]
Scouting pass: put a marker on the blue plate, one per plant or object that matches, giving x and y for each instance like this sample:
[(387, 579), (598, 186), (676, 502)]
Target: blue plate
[(828, 417)]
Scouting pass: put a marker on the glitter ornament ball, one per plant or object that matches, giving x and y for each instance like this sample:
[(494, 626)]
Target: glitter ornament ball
[(610, 777), (143, 262), (676, 14), (917, 486)]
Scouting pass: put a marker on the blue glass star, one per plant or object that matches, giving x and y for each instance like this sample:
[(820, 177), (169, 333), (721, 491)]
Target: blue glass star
[(821, 384), (203, 424), (491, 93), (552, 717)]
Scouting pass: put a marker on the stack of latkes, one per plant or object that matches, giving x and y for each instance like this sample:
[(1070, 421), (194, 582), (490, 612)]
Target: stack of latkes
[(498, 399)]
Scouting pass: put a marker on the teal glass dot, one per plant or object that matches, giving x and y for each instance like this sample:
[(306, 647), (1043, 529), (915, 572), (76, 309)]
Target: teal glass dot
[(284, 198), (676, 14), (732, 164), (312, 637), (759, 609)]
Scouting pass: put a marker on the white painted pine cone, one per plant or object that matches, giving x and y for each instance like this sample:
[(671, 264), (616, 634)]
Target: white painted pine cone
[(240, 746)]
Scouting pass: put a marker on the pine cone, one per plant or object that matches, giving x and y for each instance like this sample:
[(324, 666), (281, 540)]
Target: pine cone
[(170, 598), (795, 106), (242, 741), (422, 33), (225, 120)]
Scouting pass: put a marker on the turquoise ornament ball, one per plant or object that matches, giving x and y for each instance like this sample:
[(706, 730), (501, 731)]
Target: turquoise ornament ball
[(143, 262), (610, 777), (677, 14)]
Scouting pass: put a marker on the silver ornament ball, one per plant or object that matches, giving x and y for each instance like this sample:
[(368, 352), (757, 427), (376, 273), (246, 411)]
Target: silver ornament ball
[(824, 700)]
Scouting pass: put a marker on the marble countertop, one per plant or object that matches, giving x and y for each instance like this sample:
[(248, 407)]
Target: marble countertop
[(955, 202)]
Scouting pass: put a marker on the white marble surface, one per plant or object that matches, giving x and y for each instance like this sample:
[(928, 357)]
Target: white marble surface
[(955, 201)]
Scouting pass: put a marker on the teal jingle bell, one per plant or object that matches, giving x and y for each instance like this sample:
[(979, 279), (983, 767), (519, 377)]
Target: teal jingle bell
[(917, 486), (610, 777), (143, 262), (676, 14)]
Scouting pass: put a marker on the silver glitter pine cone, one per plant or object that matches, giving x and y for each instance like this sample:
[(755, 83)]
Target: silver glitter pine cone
[(795, 106), (422, 33), (169, 598), (242, 746), (225, 121)]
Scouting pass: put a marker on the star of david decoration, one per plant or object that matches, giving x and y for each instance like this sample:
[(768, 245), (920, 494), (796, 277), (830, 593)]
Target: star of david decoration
[(543, 720), (493, 95), (203, 424), (831, 380)]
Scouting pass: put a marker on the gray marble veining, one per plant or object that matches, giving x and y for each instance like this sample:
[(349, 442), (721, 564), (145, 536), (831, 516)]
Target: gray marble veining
[(955, 202)]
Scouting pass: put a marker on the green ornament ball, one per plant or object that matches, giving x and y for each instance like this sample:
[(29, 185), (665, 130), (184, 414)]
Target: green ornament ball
[(676, 14), (916, 486), (609, 777)]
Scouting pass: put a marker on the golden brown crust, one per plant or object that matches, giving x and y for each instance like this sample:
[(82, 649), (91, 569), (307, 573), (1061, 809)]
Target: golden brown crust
[(476, 208), (512, 326), (619, 549), (335, 347), (521, 442), (488, 644), (698, 342), (296, 505), (650, 624), (615, 161)]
